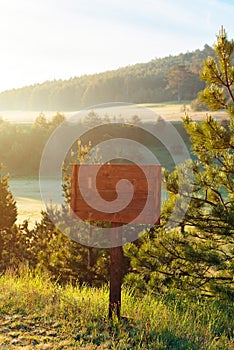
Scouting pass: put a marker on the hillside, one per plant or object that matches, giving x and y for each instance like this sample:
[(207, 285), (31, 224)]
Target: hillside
[(160, 80)]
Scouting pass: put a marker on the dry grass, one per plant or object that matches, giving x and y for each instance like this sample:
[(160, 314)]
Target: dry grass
[(175, 111), (38, 314)]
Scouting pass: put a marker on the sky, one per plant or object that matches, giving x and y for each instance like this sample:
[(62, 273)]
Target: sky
[(58, 39)]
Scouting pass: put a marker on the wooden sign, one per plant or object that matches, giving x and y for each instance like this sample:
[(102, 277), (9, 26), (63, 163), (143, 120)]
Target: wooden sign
[(137, 200), (98, 193)]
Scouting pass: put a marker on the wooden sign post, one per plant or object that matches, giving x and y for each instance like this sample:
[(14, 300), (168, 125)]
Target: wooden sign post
[(116, 271), (98, 185)]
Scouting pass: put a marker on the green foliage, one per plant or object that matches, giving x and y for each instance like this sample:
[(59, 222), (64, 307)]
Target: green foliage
[(12, 242), (92, 119), (26, 142), (55, 253), (8, 207), (13, 248), (182, 82), (218, 73), (210, 215), (19, 143), (62, 258), (43, 247), (198, 257), (35, 311)]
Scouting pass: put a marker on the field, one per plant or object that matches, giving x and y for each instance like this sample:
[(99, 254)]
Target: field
[(39, 314), (28, 198), (176, 111), (170, 111), (27, 195), (26, 117)]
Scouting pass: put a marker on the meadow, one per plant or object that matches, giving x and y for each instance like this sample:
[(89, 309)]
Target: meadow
[(26, 191), (36, 313), (169, 110)]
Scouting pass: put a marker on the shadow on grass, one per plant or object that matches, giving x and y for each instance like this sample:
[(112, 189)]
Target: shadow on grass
[(127, 334)]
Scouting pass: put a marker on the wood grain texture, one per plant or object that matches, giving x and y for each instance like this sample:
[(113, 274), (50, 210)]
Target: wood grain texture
[(143, 189)]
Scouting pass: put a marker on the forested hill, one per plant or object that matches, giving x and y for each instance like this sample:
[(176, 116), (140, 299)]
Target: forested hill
[(160, 80)]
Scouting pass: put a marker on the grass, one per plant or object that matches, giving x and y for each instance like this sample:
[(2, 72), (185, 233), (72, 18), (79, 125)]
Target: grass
[(36, 313), (174, 111)]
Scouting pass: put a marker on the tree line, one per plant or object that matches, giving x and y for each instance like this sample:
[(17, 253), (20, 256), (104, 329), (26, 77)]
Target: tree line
[(21, 146), (162, 79)]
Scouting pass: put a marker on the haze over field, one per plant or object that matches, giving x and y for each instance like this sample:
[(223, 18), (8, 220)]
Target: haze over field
[(172, 112)]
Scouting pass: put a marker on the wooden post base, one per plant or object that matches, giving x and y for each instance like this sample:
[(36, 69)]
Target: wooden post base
[(116, 266)]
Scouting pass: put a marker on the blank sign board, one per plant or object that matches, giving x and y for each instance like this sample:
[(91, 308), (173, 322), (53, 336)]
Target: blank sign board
[(118, 193)]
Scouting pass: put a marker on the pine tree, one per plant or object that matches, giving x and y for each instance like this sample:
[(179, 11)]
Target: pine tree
[(200, 256), (218, 73), (13, 241), (8, 209)]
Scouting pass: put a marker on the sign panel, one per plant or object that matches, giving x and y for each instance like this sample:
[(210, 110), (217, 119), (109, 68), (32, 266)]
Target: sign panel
[(118, 193)]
